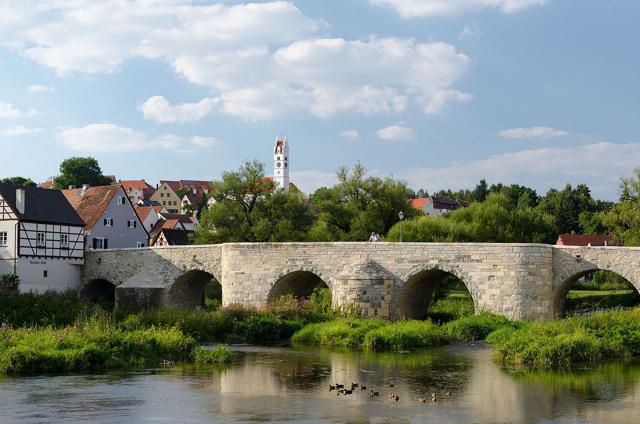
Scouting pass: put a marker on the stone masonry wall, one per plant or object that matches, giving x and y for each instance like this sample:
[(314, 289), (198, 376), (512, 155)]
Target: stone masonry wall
[(515, 280)]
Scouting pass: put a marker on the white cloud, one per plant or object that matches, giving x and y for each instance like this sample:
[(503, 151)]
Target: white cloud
[(37, 88), (353, 135), (8, 111), (428, 8), (205, 141), (112, 138), (470, 32), (396, 132), (261, 60), (600, 165), (19, 130), (533, 132), (158, 109)]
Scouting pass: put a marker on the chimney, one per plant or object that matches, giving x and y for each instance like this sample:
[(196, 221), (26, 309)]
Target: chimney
[(84, 188), (71, 187), (20, 200)]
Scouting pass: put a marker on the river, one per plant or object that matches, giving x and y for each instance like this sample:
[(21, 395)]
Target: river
[(284, 384)]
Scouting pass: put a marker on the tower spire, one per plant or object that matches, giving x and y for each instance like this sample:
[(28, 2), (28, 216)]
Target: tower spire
[(281, 163)]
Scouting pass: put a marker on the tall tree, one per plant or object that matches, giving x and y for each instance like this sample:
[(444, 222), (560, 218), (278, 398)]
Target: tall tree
[(26, 182), (77, 171), (567, 205), (250, 209), (481, 191)]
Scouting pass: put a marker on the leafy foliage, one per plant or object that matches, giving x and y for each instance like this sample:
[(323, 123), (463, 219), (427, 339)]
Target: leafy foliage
[(77, 171), (20, 181)]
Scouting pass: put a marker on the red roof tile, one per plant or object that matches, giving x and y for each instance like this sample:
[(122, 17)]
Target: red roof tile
[(92, 204), (585, 240)]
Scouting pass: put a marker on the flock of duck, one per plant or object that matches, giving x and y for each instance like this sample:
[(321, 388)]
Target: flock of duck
[(342, 390)]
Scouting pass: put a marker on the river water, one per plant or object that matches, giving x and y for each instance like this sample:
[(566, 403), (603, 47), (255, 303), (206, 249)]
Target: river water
[(273, 384)]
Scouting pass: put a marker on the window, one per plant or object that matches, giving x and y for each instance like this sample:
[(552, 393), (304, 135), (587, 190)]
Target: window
[(64, 241), (164, 203), (122, 200), (108, 222), (3, 238), (132, 223), (40, 240), (45, 273), (140, 244), (100, 243), (161, 194)]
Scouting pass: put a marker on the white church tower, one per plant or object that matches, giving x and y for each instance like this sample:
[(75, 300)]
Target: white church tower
[(281, 163)]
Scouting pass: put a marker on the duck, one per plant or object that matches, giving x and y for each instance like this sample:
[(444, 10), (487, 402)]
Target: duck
[(449, 394), (339, 386), (363, 387), (422, 400), (389, 385), (354, 385), (331, 387), (372, 393), (396, 398), (434, 397)]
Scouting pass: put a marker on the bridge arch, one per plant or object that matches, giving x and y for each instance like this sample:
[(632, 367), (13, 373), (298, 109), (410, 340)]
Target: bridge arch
[(98, 290), (188, 289), (298, 281), (420, 284), (567, 280)]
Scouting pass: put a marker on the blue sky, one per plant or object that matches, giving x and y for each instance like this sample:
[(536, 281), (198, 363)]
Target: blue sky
[(439, 93)]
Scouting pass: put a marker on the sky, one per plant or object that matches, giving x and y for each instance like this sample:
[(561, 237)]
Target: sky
[(439, 93)]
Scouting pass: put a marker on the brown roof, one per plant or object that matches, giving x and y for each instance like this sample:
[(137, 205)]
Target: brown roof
[(419, 203), (173, 185), (92, 204), (185, 219), (585, 240), (174, 237), (143, 211), (135, 185)]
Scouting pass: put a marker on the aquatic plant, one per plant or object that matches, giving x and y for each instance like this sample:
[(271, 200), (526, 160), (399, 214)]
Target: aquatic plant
[(475, 327), (212, 356)]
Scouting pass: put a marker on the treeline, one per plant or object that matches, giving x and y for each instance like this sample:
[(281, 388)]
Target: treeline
[(248, 208)]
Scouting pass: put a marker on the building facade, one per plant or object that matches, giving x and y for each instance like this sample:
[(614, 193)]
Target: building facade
[(41, 239), (436, 206), (111, 221)]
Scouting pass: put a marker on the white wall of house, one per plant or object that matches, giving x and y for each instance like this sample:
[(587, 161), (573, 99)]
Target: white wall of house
[(8, 252), (151, 219), (120, 234), (40, 275)]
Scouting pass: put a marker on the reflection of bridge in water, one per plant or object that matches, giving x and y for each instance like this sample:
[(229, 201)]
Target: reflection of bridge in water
[(390, 280)]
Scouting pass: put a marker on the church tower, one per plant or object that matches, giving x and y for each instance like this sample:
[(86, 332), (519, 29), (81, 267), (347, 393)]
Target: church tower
[(281, 163)]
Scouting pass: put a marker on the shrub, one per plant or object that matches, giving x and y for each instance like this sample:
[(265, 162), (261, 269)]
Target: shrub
[(212, 356), (339, 333), (50, 308), (9, 282), (404, 335), (475, 327)]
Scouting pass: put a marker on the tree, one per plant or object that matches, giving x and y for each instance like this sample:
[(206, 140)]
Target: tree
[(20, 181), (567, 205), (494, 220), (481, 191), (250, 209), (77, 171), (358, 205)]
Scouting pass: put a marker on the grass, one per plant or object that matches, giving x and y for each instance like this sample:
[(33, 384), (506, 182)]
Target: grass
[(212, 356), (569, 342), (451, 307), (89, 346), (596, 299), (405, 335), (50, 308)]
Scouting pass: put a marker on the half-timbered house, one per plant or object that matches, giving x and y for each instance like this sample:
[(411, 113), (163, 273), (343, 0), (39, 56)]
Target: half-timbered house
[(41, 238)]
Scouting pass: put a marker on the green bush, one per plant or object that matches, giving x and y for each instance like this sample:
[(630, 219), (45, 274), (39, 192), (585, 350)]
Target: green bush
[(9, 282), (404, 335), (450, 308), (93, 345), (50, 308), (349, 332), (475, 327), (212, 356), (570, 341)]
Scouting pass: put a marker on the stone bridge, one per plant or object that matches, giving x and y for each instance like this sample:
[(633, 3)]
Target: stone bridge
[(388, 280)]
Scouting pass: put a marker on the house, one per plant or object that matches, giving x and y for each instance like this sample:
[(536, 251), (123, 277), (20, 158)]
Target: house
[(169, 193), (149, 215), (137, 190), (188, 222), (110, 219), (436, 205), (41, 238), (170, 237), (586, 240)]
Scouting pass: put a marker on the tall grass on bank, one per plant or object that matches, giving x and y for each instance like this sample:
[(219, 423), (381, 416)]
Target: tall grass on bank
[(212, 356), (569, 342), (50, 308), (375, 334), (89, 346)]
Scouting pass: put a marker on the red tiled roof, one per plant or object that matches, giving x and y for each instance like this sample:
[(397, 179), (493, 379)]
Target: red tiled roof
[(143, 211), (92, 204), (173, 185), (585, 240), (176, 216), (419, 203), (135, 185)]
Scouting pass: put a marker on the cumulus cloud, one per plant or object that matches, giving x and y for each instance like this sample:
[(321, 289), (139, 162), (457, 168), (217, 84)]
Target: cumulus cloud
[(9, 111), (157, 108), (205, 141), (428, 8), (534, 132), (353, 135), (261, 60), (37, 88), (112, 138), (19, 130), (396, 132), (539, 168)]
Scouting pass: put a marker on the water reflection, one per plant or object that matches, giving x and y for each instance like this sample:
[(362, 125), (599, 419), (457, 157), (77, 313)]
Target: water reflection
[(278, 384)]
